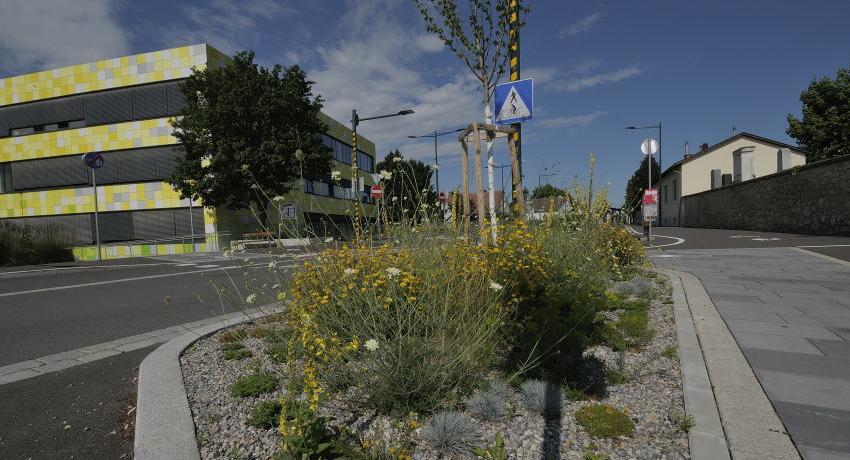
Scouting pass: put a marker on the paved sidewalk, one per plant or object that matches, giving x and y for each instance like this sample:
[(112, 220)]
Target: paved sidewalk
[(789, 311)]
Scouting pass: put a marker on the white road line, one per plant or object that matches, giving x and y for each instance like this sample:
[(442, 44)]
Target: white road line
[(827, 246), (124, 280), (678, 241), (83, 267)]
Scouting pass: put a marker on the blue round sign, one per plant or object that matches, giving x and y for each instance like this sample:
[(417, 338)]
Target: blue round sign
[(93, 160)]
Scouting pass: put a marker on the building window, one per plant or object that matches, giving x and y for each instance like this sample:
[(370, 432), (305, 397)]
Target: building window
[(675, 189), (742, 164)]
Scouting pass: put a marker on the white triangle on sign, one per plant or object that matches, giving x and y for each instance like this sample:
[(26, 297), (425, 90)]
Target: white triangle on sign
[(513, 107)]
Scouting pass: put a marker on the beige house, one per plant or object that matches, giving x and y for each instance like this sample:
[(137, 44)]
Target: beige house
[(739, 158)]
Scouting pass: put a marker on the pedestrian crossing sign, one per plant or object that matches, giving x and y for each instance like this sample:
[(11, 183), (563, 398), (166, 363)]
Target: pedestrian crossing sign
[(514, 101)]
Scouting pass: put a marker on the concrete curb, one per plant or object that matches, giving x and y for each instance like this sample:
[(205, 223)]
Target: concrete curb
[(706, 439), (164, 424), (749, 423)]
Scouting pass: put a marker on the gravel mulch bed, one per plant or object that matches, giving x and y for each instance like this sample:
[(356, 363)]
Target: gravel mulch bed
[(651, 395)]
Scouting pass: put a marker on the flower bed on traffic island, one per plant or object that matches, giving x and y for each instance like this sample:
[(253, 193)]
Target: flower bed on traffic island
[(554, 342)]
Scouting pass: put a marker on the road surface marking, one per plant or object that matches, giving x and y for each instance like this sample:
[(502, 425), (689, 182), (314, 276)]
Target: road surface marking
[(124, 280), (83, 267), (666, 255), (765, 239), (827, 246), (678, 241)]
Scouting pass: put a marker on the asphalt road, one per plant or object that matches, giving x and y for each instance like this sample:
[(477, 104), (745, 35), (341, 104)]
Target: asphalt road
[(705, 238), (82, 412), (59, 309), (85, 412)]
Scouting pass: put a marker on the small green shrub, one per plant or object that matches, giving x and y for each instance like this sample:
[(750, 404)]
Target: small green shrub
[(593, 455), (604, 421), (234, 351), (22, 244), (494, 452), (264, 415), (277, 352), (232, 335), (634, 324), (254, 385), (277, 335), (306, 435), (670, 352), (491, 404), (451, 433), (541, 397), (683, 422), (574, 394)]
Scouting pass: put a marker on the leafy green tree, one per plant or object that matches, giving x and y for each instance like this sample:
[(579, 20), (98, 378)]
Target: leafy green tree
[(240, 131), (638, 182), (824, 131), (547, 190), (408, 187)]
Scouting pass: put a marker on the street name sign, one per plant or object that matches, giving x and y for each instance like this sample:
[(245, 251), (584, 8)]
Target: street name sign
[(514, 101)]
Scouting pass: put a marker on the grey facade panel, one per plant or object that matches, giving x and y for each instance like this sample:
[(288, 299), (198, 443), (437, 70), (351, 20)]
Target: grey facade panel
[(64, 109), (176, 101), (149, 102), (25, 115)]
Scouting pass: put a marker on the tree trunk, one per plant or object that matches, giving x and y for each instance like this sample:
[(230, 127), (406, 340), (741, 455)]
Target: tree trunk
[(491, 184), (479, 185)]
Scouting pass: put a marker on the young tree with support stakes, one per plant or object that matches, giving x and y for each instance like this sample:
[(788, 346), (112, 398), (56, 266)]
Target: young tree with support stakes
[(240, 130), (478, 36)]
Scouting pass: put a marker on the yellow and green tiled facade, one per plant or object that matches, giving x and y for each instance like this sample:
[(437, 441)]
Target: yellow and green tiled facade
[(122, 108)]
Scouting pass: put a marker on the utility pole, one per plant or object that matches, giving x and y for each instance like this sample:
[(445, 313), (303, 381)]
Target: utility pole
[(513, 54)]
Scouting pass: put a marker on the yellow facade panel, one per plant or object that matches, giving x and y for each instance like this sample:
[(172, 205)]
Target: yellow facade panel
[(82, 78), (133, 134)]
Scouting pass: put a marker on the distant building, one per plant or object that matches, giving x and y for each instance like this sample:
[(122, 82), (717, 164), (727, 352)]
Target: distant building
[(121, 108), (741, 157)]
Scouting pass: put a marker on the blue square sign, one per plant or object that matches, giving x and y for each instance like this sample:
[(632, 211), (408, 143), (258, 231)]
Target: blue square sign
[(514, 101)]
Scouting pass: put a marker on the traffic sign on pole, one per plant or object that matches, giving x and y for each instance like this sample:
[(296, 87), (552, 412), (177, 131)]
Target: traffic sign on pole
[(377, 191), (649, 146), (514, 101)]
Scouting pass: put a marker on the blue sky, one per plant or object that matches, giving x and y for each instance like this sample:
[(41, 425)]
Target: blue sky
[(700, 67)]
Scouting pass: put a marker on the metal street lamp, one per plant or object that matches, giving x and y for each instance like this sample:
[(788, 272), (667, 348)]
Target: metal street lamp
[(660, 164), (658, 127), (435, 135), (355, 176)]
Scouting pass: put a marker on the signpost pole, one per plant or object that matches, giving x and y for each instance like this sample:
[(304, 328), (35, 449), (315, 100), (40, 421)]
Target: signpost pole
[(96, 225), (192, 224), (649, 168)]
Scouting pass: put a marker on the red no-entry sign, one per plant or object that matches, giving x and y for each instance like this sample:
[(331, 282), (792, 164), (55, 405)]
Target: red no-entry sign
[(377, 191)]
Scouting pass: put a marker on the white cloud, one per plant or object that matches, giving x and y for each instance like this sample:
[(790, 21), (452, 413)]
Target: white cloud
[(578, 84), (229, 26), (579, 77), (42, 34), (575, 121), (582, 25), (374, 69)]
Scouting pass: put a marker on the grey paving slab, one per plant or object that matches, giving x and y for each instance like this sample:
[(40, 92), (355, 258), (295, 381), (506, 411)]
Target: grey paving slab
[(790, 330), (834, 348), (800, 363), (736, 297), (823, 428), (790, 313), (805, 389), (778, 343)]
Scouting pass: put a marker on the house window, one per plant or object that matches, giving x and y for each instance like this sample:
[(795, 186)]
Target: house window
[(742, 164), (675, 189)]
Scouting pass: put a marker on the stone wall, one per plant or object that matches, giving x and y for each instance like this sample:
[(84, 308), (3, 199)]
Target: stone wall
[(813, 199)]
